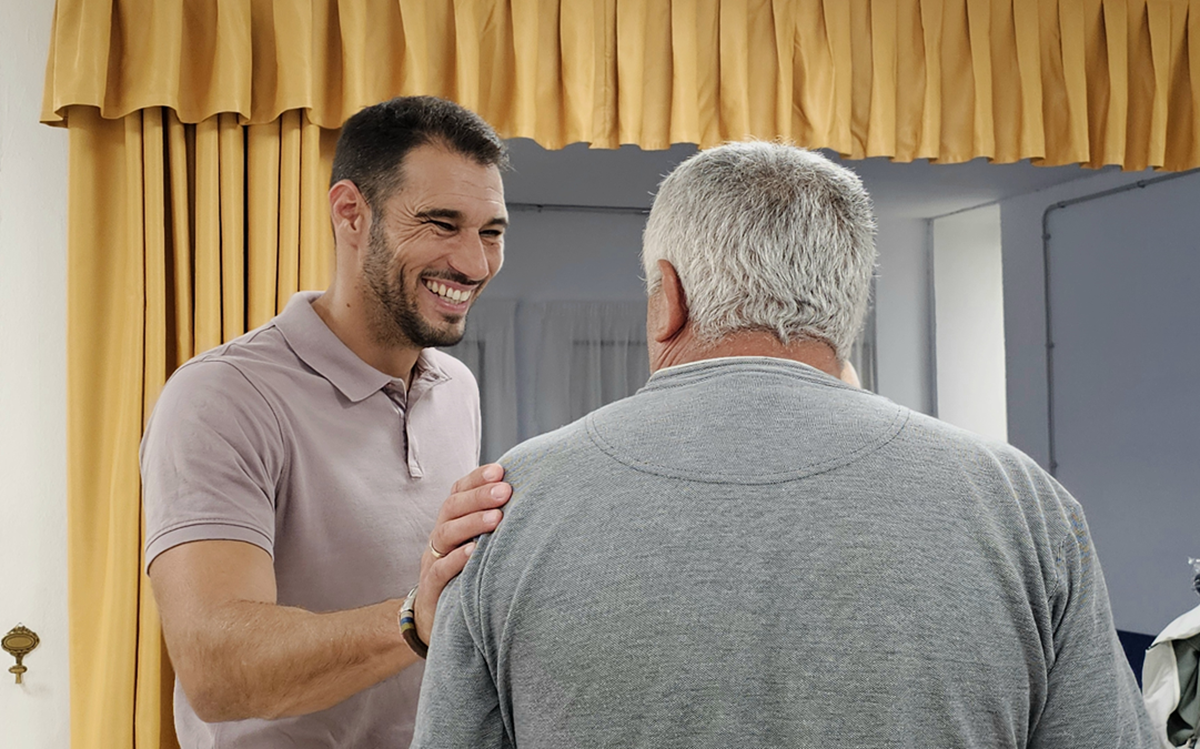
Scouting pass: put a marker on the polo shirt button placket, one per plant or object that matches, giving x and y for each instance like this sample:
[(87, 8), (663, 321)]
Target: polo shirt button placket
[(399, 399), (420, 386), (410, 440), (414, 465)]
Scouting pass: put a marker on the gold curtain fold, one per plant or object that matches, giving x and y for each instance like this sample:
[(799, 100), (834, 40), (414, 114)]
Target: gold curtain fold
[(169, 254), (1057, 81)]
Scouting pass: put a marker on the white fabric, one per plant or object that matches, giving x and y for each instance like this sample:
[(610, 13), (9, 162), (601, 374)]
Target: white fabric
[(1160, 675), (488, 348), (580, 356)]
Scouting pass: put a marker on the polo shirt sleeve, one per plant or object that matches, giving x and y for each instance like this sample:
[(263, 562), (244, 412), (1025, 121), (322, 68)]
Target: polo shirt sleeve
[(211, 457)]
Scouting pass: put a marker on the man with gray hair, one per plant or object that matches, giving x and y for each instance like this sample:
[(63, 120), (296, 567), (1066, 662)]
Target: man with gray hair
[(751, 553)]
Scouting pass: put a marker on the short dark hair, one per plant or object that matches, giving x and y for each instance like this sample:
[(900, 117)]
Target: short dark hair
[(373, 143)]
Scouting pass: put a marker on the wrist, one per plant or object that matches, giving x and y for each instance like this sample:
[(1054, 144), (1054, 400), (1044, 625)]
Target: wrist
[(408, 625)]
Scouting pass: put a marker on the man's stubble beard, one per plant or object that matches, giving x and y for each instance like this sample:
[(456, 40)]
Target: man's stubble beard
[(395, 320)]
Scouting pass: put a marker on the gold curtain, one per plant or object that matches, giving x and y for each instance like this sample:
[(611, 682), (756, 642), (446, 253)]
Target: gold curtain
[(169, 255), (1058, 81), (202, 130)]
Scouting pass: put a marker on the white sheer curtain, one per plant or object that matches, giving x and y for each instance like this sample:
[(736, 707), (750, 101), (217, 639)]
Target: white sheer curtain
[(578, 357), (489, 350), (543, 365), (862, 354)]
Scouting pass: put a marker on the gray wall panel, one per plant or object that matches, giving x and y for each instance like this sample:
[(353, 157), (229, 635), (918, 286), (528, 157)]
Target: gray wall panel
[(1125, 322)]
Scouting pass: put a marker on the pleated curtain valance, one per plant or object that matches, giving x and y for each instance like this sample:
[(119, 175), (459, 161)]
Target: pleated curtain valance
[(1058, 81)]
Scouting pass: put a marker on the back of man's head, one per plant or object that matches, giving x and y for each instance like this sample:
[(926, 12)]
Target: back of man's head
[(765, 236), (373, 143)]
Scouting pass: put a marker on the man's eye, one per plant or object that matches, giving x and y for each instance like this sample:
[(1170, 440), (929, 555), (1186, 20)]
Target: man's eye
[(494, 233), (443, 225)]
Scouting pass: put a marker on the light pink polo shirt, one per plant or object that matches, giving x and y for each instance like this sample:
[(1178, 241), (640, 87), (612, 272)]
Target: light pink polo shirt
[(285, 439)]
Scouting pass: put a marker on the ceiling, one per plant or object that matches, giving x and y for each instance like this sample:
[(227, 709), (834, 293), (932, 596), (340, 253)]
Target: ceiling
[(627, 177)]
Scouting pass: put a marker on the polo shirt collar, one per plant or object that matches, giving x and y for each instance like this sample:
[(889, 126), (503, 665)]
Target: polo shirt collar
[(321, 349)]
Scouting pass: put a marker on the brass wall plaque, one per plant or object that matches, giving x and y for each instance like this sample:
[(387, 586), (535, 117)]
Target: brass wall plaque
[(18, 643)]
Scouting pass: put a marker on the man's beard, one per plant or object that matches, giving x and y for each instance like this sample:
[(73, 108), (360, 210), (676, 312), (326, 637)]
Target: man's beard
[(397, 321)]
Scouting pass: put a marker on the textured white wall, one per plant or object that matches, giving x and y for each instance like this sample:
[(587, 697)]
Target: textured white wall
[(969, 314), (902, 310), (33, 171)]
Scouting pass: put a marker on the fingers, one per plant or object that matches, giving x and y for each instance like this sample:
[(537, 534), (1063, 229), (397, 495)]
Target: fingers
[(469, 511), (484, 474), (435, 574), (474, 494), (450, 534)]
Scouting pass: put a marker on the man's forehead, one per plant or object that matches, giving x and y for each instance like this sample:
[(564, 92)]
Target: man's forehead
[(435, 179), (438, 164)]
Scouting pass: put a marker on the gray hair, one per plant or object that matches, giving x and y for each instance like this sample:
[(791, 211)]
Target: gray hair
[(765, 236)]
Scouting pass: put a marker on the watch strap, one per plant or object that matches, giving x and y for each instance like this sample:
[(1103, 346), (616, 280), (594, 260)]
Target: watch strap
[(408, 625)]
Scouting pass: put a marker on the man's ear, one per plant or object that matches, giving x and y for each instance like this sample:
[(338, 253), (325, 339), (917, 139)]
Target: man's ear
[(350, 214), (673, 313)]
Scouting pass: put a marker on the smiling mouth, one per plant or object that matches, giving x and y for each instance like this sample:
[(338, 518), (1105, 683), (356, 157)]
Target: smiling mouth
[(447, 293)]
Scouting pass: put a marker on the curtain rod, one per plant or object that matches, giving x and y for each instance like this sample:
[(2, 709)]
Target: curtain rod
[(562, 207)]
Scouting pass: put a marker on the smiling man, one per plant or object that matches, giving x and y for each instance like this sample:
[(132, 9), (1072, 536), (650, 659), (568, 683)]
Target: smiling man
[(294, 478)]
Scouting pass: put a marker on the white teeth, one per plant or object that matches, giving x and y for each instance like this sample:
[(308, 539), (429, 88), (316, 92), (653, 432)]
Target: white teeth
[(449, 294)]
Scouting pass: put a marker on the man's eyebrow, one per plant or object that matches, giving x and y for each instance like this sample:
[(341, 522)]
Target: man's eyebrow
[(449, 213), (456, 215)]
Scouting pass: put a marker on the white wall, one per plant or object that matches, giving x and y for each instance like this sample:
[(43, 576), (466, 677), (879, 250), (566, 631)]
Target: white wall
[(902, 313), (969, 321), (33, 167)]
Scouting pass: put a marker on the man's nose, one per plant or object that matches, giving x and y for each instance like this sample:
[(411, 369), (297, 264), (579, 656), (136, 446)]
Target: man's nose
[(471, 257)]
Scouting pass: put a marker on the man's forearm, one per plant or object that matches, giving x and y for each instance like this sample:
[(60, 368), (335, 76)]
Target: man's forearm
[(239, 655), (261, 660)]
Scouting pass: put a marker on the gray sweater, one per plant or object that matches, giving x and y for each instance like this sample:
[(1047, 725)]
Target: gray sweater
[(748, 553)]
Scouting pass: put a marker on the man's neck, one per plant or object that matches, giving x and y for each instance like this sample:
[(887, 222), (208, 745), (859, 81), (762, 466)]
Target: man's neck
[(815, 353), (352, 324)]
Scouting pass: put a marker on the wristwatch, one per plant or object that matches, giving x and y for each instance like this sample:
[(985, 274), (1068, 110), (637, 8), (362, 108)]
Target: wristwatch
[(408, 625)]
